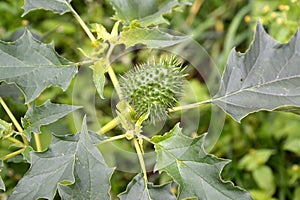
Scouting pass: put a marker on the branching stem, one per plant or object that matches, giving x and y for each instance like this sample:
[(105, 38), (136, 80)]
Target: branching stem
[(13, 119), (13, 154), (38, 142), (14, 140), (82, 23), (109, 126), (189, 106), (112, 74), (141, 159), (118, 137)]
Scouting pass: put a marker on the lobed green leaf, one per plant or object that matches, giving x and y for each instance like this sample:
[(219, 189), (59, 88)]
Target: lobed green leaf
[(33, 66), (45, 114), (266, 77), (196, 172), (71, 160), (2, 185), (136, 190), (57, 6), (152, 38)]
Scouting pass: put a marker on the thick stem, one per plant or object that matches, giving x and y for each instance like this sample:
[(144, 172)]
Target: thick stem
[(8, 156), (189, 106), (118, 137), (141, 159), (13, 119), (38, 142), (109, 126), (14, 140), (282, 175), (82, 24)]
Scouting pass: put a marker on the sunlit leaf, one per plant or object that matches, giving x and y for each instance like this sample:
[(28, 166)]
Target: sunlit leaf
[(136, 190), (57, 6), (152, 38), (266, 77), (34, 66), (196, 172), (99, 70)]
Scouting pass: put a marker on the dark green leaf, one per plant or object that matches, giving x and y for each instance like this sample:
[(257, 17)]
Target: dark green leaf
[(68, 159), (152, 38), (57, 6), (136, 190), (45, 114), (92, 175), (34, 66), (11, 90), (266, 77), (2, 185), (196, 172)]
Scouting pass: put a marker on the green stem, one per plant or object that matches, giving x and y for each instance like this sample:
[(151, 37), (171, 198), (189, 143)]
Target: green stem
[(14, 140), (13, 119), (118, 137), (109, 126), (112, 74), (82, 24), (8, 156), (282, 179), (189, 106), (141, 159), (38, 142)]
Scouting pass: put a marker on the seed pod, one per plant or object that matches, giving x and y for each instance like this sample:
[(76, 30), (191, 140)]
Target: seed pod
[(153, 88)]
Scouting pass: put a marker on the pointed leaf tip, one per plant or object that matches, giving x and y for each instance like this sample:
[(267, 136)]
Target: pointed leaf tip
[(33, 66), (266, 77)]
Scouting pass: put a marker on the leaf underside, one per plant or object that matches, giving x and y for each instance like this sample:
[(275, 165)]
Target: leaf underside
[(136, 190), (34, 66), (196, 172), (69, 160), (57, 6), (266, 77)]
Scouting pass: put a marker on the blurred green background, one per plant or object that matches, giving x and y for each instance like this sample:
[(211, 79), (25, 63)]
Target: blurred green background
[(264, 147)]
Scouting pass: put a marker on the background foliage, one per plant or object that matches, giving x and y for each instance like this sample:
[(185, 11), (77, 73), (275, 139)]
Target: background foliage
[(264, 148)]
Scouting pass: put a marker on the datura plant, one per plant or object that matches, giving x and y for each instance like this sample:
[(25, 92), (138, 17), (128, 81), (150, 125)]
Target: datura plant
[(266, 77)]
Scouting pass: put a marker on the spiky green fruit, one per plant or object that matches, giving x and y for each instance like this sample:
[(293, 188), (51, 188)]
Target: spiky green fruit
[(153, 88)]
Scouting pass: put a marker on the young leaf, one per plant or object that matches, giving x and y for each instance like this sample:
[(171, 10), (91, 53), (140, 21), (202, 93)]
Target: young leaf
[(57, 6), (147, 12), (5, 128), (136, 190), (266, 77), (152, 38), (69, 160), (45, 114), (2, 185), (33, 66), (157, 17), (196, 172), (99, 70), (91, 173), (130, 10)]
